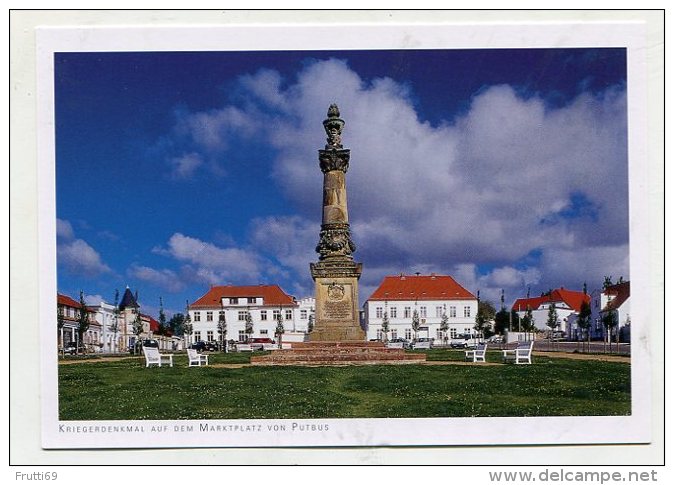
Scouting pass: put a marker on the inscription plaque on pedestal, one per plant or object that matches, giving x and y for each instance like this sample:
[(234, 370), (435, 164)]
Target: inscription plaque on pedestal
[(335, 274)]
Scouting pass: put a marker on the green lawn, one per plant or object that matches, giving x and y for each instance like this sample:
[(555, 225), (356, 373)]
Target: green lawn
[(126, 389)]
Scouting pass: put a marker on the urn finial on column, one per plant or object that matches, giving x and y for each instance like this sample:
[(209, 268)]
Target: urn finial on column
[(333, 127)]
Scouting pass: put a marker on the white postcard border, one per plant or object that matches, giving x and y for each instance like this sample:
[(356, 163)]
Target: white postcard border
[(635, 428)]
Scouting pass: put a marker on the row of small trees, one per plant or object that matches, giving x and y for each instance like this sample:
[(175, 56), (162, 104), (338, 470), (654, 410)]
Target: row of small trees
[(416, 324), (503, 320), (179, 324), (188, 328)]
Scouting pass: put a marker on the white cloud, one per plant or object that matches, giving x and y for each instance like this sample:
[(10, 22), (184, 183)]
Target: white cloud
[(208, 263), (93, 299), (185, 165), (483, 190), (64, 229), (590, 264), (80, 258), (164, 278), (76, 255), (292, 240), (266, 85)]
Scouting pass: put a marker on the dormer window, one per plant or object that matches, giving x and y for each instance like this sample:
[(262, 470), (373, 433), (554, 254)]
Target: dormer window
[(252, 300), (233, 301)]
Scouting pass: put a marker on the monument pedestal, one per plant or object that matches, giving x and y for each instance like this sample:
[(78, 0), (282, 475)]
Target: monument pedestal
[(337, 313), (337, 353)]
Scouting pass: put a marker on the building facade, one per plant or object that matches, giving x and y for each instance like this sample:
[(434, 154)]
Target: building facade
[(567, 305), (616, 299), (111, 330), (104, 314), (398, 298), (69, 311), (257, 307)]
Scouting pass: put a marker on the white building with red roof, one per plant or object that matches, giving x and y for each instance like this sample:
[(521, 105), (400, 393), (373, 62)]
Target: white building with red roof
[(567, 304), (432, 296), (263, 303), (613, 298), (69, 309)]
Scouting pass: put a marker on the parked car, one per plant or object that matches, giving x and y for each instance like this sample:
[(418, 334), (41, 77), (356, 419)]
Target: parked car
[(212, 346), (261, 343), (464, 341), (422, 343), (496, 339), (199, 345), (70, 348), (557, 336), (396, 343), (243, 347), (150, 343)]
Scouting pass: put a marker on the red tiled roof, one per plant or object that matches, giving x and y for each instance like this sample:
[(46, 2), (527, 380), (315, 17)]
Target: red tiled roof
[(572, 298), (272, 295), (154, 324), (433, 287), (67, 301), (621, 291)]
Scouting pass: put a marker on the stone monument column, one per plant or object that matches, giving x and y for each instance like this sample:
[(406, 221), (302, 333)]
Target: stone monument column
[(335, 274)]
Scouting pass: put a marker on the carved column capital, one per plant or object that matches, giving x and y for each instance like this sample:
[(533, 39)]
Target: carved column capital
[(334, 160)]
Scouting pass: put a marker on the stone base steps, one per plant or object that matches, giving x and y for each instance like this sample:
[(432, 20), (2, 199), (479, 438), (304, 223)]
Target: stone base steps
[(337, 353)]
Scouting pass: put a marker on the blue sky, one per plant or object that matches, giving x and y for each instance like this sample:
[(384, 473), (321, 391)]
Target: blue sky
[(176, 171)]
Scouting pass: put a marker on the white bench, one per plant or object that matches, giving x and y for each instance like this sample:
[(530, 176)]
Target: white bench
[(478, 354), (153, 357), (196, 359), (520, 354)]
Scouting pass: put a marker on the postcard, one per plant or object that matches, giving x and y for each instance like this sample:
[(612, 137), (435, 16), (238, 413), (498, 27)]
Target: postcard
[(193, 188)]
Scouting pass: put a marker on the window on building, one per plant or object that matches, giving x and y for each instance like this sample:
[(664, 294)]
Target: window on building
[(242, 336), (242, 315), (452, 332), (275, 314), (422, 312), (233, 301), (439, 335), (263, 315), (466, 311), (197, 316), (467, 330), (221, 315), (380, 334), (197, 336), (438, 311), (209, 316), (264, 331), (303, 314), (209, 335), (289, 314), (407, 312), (252, 300), (394, 312), (452, 312), (394, 334), (378, 312), (408, 333)]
